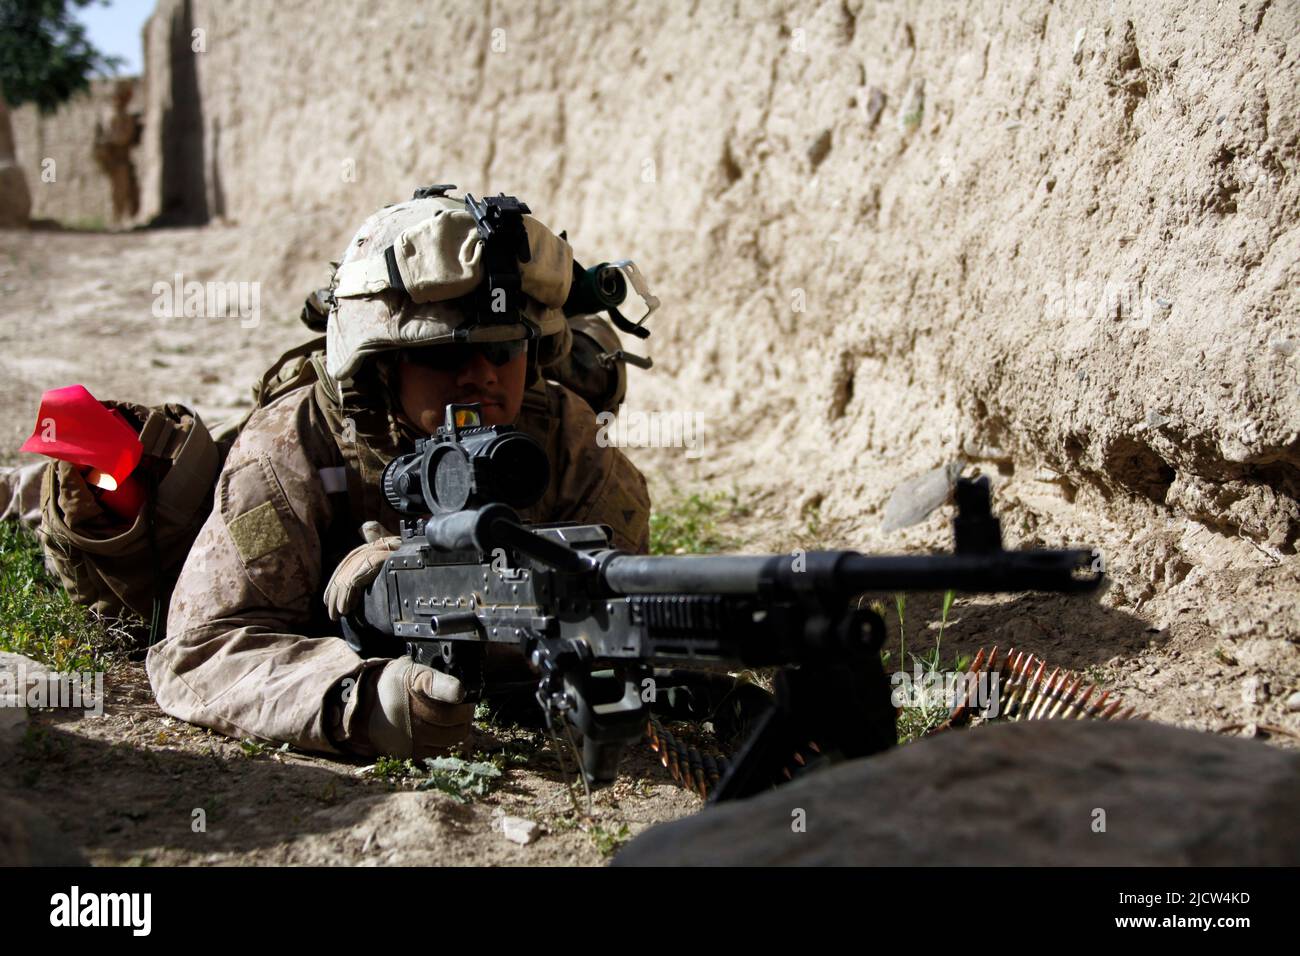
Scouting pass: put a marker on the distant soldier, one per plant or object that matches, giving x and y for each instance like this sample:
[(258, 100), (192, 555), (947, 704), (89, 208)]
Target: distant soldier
[(117, 132)]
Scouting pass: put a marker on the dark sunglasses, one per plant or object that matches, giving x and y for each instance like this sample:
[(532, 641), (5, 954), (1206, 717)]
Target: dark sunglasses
[(448, 358)]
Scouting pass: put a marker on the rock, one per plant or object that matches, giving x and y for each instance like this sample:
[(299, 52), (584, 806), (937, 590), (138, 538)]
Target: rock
[(916, 498), (1252, 691), (13, 721), (519, 830), (21, 678), (1076, 54), (909, 116), (820, 148), (874, 106), (1154, 419), (1293, 702), (15, 671), (28, 839), (13, 667), (1018, 794)]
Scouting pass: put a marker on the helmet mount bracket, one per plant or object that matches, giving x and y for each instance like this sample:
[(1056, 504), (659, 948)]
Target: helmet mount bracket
[(500, 223)]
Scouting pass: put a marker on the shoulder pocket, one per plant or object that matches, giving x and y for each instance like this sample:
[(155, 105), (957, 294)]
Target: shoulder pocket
[(270, 539)]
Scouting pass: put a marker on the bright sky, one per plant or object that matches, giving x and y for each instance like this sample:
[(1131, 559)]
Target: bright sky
[(115, 26)]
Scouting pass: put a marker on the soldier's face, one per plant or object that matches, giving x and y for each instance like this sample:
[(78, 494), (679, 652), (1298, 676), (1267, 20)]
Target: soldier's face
[(431, 379)]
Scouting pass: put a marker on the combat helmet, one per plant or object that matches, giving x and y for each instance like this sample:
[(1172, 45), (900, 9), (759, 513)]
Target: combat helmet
[(437, 270)]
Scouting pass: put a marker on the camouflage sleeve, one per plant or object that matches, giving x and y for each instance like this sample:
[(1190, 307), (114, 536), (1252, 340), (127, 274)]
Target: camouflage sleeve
[(623, 503), (590, 481), (239, 656)]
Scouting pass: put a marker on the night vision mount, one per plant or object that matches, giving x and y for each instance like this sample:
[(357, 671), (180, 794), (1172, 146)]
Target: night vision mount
[(616, 288), (500, 223)]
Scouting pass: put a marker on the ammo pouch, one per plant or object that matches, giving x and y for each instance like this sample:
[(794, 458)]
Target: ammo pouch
[(590, 364), (116, 567)]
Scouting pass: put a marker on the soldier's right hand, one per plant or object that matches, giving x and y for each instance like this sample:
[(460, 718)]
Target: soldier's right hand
[(415, 711)]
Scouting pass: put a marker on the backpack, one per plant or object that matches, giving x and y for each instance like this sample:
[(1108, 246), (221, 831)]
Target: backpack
[(127, 570)]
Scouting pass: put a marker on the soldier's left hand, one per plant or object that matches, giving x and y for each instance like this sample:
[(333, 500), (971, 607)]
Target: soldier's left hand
[(354, 574)]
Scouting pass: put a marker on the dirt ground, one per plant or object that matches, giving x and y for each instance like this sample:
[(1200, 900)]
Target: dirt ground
[(125, 787)]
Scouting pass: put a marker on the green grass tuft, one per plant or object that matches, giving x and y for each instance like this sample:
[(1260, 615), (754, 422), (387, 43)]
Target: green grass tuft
[(86, 224), (39, 620), (395, 768), (916, 722), (255, 748), (460, 779), (607, 840), (689, 525)]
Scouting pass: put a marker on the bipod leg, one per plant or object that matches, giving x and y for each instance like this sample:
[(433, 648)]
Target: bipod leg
[(758, 764), (837, 709)]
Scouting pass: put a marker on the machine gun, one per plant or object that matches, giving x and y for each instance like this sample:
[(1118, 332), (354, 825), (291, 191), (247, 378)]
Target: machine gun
[(593, 623)]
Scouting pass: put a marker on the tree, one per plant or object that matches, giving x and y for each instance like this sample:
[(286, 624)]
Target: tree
[(44, 55)]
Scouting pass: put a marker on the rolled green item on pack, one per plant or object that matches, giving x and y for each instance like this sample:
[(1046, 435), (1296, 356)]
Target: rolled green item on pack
[(594, 290)]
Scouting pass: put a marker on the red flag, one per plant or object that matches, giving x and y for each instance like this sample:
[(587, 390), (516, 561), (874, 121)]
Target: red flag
[(72, 426)]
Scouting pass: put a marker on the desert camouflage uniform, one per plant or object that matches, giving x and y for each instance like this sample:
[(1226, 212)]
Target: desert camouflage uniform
[(249, 649)]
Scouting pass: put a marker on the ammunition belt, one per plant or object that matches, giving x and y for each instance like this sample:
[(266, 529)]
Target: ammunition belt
[(1027, 691), (697, 772)]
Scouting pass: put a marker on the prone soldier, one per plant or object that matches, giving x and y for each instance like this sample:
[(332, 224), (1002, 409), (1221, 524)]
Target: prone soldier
[(422, 315)]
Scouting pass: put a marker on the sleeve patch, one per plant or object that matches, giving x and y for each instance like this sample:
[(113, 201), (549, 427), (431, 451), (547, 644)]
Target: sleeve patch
[(258, 532)]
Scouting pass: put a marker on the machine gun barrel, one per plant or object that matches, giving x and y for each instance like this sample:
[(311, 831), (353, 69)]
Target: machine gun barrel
[(848, 572)]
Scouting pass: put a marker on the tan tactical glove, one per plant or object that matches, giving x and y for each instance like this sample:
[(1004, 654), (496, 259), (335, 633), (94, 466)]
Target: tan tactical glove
[(348, 583), (415, 711)]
